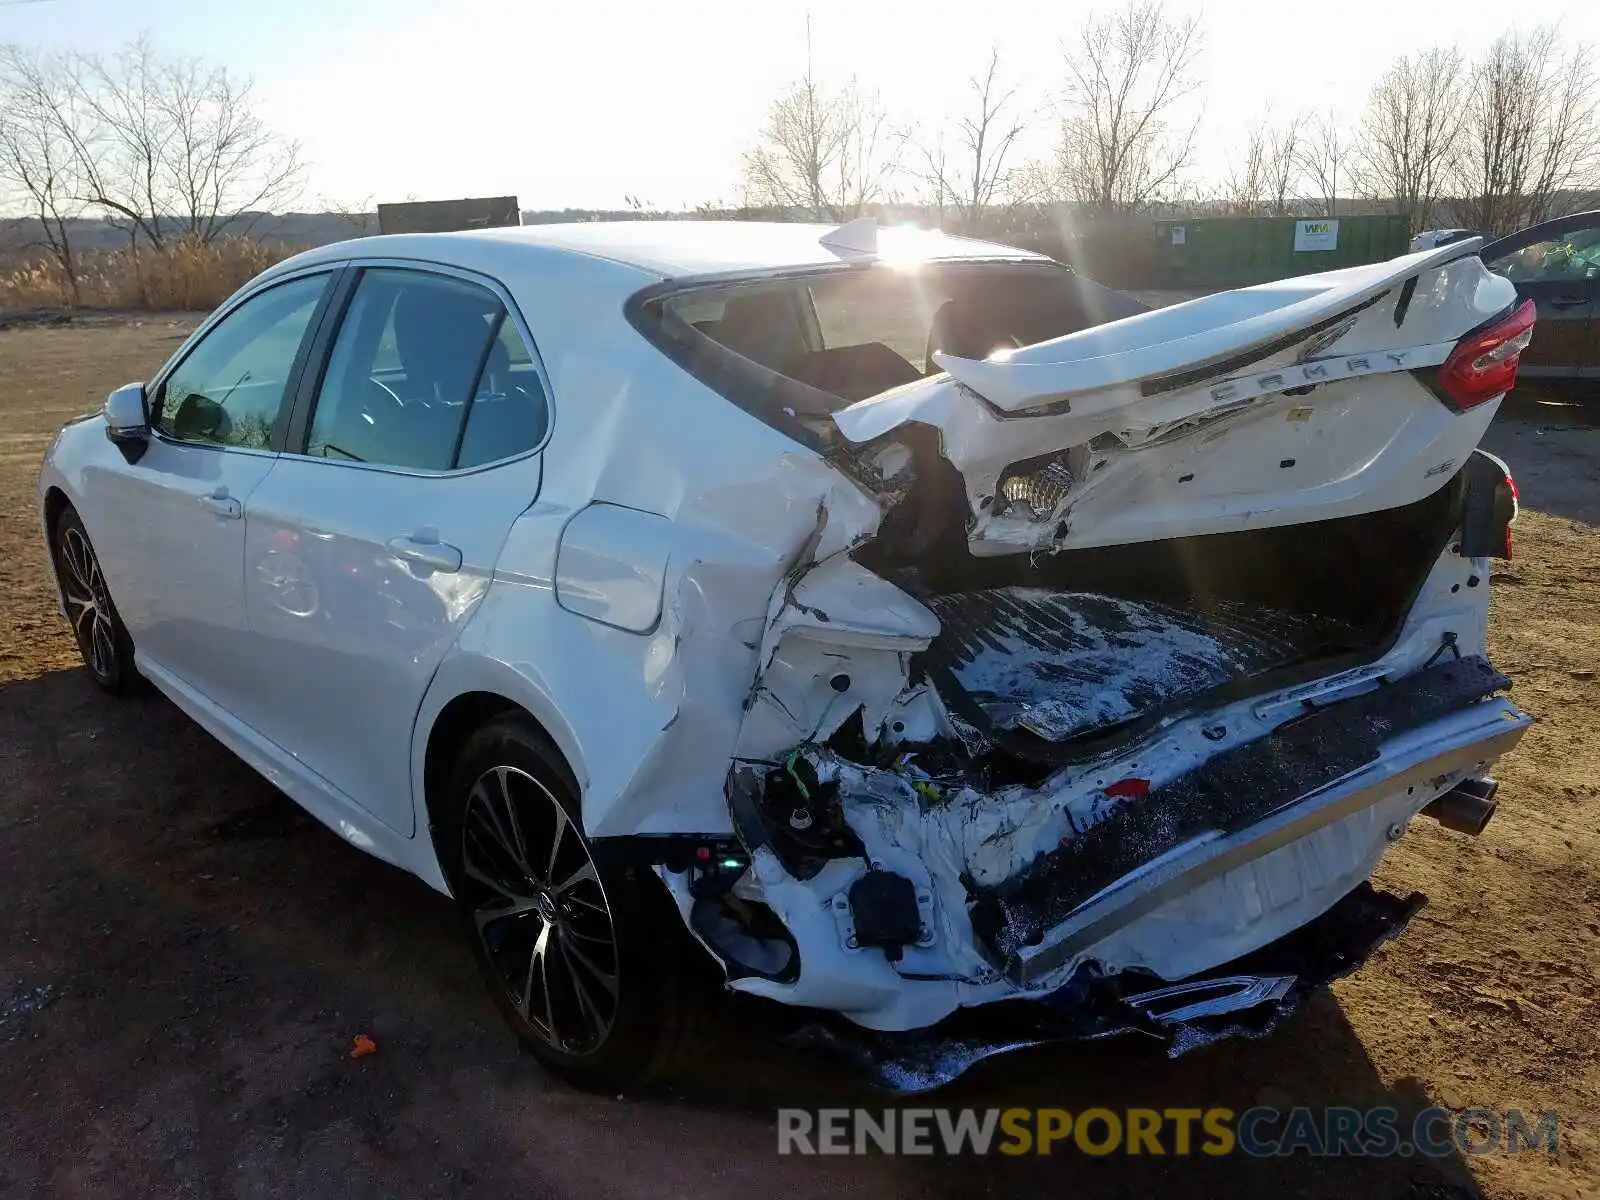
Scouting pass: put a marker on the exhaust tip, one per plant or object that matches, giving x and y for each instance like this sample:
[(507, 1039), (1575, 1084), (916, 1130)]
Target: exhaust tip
[(1466, 808)]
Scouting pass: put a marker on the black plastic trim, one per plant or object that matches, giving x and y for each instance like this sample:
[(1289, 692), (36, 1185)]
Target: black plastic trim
[(675, 851), (1089, 1006), (1488, 507), (1403, 306), (309, 381)]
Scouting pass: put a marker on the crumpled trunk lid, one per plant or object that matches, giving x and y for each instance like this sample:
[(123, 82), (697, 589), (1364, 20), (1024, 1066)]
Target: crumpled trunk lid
[(1273, 405)]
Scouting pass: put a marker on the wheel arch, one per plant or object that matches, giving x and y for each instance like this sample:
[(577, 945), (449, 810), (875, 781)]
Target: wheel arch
[(56, 501), (465, 695)]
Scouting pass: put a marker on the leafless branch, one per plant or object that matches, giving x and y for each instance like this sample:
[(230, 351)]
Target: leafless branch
[(1324, 152), (175, 145), (37, 161), (1410, 132), (826, 153), (1127, 76), (1531, 142), (965, 168), (1246, 183), (1282, 163)]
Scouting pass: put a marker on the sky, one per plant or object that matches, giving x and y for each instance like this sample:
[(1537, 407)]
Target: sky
[(583, 104)]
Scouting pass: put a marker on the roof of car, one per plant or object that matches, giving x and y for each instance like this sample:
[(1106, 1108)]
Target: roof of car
[(673, 249)]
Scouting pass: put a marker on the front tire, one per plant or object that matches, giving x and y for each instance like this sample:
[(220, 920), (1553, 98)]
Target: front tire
[(587, 962), (102, 638)]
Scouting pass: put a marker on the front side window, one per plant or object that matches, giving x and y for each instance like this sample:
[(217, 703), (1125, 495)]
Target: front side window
[(427, 373), (231, 387)]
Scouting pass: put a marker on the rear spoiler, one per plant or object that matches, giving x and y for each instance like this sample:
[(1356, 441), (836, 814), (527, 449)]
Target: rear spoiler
[(1194, 341)]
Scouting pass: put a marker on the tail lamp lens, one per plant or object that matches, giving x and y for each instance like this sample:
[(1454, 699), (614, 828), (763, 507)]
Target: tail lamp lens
[(1484, 363)]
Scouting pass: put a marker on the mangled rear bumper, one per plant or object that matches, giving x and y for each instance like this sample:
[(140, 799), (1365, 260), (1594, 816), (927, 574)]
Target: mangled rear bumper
[(1249, 998), (1355, 772), (1203, 870)]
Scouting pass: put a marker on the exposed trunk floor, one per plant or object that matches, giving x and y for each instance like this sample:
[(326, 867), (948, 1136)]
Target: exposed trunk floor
[(1064, 664)]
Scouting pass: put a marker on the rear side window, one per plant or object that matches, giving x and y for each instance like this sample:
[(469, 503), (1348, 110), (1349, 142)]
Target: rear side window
[(428, 372)]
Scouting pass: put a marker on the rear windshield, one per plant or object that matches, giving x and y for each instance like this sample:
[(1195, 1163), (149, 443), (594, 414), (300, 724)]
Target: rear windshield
[(852, 332)]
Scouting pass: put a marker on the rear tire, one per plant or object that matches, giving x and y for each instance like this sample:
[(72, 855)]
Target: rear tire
[(102, 638), (587, 962)]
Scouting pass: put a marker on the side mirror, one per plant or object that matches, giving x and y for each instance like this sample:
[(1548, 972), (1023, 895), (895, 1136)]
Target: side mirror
[(127, 418), (200, 419)]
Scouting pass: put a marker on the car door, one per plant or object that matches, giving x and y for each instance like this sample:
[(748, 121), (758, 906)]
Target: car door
[(1556, 265), (170, 526), (368, 547)]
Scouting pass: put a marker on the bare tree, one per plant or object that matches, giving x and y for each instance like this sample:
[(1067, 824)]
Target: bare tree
[(1409, 132), (1245, 184), (1324, 153), (1126, 78), (38, 165), (176, 145), (828, 153), (1265, 170), (968, 174), (1531, 134), (361, 216), (1282, 163)]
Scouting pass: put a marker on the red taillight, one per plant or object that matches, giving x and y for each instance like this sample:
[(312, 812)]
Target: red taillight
[(1130, 789), (1507, 502), (1484, 363)]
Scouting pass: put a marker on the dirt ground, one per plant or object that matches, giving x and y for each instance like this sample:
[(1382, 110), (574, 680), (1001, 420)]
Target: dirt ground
[(185, 957)]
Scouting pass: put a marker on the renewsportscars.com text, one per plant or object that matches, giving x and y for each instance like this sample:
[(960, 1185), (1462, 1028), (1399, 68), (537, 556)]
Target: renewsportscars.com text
[(1260, 1132)]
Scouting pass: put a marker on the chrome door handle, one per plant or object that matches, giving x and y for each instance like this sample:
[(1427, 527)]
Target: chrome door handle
[(424, 552), (222, 504), (1568, 301)]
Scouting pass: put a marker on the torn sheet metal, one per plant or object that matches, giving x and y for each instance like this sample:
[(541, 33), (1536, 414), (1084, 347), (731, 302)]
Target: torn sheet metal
[(838, 642)]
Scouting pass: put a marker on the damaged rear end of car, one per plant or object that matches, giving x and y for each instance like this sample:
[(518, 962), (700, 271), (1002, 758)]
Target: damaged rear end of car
[(1166, 630)]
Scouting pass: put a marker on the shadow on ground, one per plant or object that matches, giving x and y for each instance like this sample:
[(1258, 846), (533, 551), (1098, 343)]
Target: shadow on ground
[(1553, 447), (201, 953)]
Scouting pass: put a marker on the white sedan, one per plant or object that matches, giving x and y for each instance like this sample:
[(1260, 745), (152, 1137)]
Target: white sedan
[(877, 622)]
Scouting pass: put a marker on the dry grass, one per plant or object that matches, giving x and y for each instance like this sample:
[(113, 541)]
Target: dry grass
[(186, 274)]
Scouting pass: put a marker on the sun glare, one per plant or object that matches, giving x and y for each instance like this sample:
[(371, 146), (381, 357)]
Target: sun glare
[(905, 247)]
